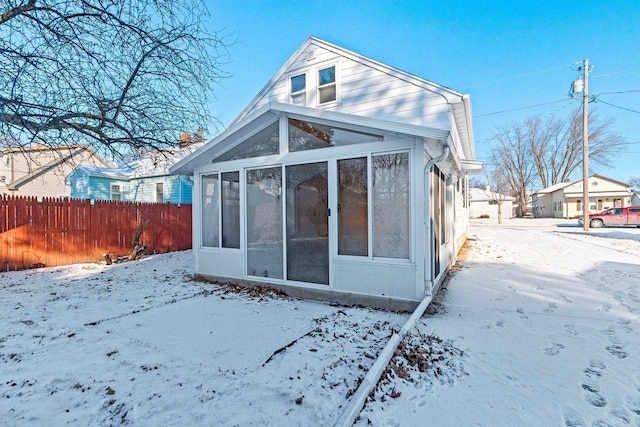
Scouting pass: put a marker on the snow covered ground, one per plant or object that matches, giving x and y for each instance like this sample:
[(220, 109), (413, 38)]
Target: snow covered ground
[(539, 326)]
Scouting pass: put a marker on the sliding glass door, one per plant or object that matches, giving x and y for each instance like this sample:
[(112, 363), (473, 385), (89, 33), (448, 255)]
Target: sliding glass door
[(307, 223)]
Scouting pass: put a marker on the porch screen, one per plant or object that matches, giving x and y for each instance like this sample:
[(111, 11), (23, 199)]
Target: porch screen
[(264, 223), (231, 210), (210, 211), (391, 205), (353, 207)]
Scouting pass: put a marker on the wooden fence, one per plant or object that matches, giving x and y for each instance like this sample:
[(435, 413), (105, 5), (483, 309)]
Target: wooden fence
[(64, 231)]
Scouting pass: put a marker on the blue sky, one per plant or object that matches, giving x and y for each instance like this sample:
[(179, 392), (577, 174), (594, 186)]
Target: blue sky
[(506, 55)]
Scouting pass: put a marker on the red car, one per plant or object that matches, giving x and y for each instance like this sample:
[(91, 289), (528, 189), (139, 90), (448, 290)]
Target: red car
[(615, 216)]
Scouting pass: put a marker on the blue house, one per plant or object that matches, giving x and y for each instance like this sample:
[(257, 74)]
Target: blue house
[(144, 180)]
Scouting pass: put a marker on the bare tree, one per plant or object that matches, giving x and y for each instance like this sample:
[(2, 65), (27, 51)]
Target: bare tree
[(556, 145), (498, 188), (635, 183), (514, 166), (118, 75)]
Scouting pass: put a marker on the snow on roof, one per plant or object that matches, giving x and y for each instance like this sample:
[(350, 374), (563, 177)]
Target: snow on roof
[(553, 188), (150, 164), (482, 195)]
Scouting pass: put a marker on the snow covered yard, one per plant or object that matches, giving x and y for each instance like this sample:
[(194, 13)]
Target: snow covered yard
[(142, 344), (538, 326), (548, 318)]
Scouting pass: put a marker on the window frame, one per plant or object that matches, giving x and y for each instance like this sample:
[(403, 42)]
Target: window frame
[(159, 185), (304, 91), (118, 192), (219, 187), (370, 208), (335, 84)]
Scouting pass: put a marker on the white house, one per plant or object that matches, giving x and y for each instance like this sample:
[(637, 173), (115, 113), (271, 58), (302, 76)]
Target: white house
[(564, 200), (343, 179), (484, 202)]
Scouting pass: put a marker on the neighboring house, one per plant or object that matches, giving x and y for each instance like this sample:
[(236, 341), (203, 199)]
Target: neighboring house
[(40, 170), (343, 179), (144, 180), (635, 198), (565, 200), (485, 202)]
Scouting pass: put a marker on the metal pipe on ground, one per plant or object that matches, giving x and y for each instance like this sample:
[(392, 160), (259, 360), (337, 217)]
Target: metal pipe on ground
[(352, 410)]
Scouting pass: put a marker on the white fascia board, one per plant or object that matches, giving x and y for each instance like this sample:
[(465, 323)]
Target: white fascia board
[(212, 148), (365, 123), (451, 96), (472, 167)]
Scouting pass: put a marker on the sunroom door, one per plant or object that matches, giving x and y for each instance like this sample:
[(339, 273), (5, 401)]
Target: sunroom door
[(307, 223)]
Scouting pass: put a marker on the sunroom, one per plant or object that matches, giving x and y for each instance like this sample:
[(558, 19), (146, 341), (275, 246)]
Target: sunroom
[(325, 205)]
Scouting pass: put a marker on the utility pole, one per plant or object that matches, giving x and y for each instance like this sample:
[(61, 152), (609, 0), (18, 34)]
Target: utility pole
[(585, 146)]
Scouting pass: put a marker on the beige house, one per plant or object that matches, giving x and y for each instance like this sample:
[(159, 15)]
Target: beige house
[(484, 202), (564, 200), (40, 170)]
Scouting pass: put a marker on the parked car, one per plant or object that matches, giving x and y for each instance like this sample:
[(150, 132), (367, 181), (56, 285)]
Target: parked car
[(615, 216)]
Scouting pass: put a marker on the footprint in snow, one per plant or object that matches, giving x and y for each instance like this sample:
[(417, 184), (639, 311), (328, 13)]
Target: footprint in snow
[(554, 349), (570, 329), (594, 397), (572, 418), (601, 423), (500, 323), (617, 350), (621, 414), (521, 314), (565, 299), (604, 308), (633, 405), (551, 307), (594, 368)]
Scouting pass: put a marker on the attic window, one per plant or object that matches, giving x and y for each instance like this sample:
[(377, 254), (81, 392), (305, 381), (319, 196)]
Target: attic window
[(327, 85), (299, 89)]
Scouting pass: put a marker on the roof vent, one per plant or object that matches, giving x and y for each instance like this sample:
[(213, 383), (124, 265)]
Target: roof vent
[(311, 55)]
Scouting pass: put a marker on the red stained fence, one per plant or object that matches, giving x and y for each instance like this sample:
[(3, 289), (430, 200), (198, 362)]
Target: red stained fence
[(64, 231)]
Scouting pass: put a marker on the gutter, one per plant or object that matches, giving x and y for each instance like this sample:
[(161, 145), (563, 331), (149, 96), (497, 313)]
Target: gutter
[(428, 285)]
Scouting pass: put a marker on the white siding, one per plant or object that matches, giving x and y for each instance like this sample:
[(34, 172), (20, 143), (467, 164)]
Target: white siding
[(365, 91)]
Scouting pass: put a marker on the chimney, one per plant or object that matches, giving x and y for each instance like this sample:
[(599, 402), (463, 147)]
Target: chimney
[(488, 188), (567, 181)]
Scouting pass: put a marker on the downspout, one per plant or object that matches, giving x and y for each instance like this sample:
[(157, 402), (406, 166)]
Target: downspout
[(428, 285)]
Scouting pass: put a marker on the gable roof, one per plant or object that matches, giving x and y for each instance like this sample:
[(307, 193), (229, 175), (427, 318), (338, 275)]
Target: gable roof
[(74, 150), (151, 164), (482, 195), (460, 104), (553, 188), (269, 113)]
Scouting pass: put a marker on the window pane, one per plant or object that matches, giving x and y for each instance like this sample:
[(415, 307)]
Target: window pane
[(299, 98), (353, 232), (326, 76), (264, 223), (307, 223), (231, 210), (327, 94), (298, 83), (159, 192), (210, 221), (307, 136), (391, 205), (264, 143)]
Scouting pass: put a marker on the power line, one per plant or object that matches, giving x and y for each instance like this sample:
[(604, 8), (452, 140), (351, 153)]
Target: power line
[(617, 93), (521, 108), (617, 106)]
